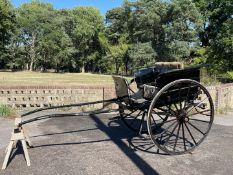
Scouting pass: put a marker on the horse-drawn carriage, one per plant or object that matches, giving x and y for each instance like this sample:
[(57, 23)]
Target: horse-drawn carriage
[(172, 107)]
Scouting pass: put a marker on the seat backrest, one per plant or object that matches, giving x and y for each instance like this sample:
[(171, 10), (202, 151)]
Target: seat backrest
[(122, 88)]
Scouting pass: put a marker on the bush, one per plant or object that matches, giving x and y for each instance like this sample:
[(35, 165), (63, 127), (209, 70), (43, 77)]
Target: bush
[(227, 77), (208, 79), (230, 74), (6, 111)]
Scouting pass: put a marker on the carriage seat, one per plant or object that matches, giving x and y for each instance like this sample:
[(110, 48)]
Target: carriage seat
[(123, 90)]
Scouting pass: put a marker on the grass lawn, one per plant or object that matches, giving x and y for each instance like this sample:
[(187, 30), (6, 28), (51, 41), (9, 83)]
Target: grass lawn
[(58, 79)]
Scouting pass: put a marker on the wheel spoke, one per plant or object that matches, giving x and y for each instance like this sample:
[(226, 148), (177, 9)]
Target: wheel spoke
[(194, 95), (153, 119), (135, 118), (177, 135), (169, 126), (141, 123), (158, 115), (129, 114), (166, 121), (171, 134), (165, 130), (201, 112), (199, 120), (171, 111), (161, 109), (165, 110), (176, 107), (190, 134), (197, 105), (183, 136), (196, 128)]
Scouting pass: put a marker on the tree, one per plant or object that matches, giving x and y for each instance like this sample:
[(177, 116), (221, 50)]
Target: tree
[(56, 47), (61, 39), (34, 20), (7, 28), (221, 49), (117, 52), (217, 34), (162, 30), (140, 55), (118, 23), (170, 26), (88, 23)]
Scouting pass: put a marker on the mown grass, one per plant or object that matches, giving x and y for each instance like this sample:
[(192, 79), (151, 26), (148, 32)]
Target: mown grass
[(54, 79)]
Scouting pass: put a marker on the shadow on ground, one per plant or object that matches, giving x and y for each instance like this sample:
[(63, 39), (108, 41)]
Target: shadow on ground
[(116, 132)]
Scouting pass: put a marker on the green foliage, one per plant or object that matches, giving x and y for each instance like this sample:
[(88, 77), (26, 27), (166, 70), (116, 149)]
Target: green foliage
[(217, 32), (118, 23), (6, 111), (36, 36), (7, 29), (88, 23), (7, 22), (230, 74), (140, 55), (200, 55), (221, 53), (226, 77), (56, 47), (60, 39), (154, 30), (34, 20), (170, 26)]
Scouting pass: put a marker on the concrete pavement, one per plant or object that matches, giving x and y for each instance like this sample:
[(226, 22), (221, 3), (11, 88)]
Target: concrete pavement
[(103, 145)]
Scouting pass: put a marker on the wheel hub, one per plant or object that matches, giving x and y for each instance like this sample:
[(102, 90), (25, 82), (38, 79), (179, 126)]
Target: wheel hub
[(182, 117)]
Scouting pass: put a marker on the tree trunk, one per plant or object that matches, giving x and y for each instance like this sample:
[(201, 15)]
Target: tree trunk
[(126, 67), (32, 52), (31, 66), (83, 68), (117, 67), (26, 67)]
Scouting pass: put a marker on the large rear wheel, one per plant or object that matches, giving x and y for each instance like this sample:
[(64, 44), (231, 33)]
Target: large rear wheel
[(180, 116)]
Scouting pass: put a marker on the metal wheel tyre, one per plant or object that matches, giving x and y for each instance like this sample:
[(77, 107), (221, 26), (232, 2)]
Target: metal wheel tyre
[(180, 116), (134, 118)]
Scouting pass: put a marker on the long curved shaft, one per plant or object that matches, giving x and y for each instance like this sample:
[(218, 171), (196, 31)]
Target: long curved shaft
[(114, 100)]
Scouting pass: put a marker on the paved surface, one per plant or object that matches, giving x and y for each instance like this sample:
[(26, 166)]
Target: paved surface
[(103, 145)]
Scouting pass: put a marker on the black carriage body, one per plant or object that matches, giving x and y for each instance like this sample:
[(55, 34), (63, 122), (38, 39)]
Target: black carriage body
[(167, 77), (159, 79), (180, 91)]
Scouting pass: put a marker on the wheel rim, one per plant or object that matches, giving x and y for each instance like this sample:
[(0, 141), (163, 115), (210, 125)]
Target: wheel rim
[(134, 118), (182, 124)]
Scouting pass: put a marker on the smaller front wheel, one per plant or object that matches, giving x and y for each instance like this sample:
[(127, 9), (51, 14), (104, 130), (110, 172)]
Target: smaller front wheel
[(180, 116), (134, 118)]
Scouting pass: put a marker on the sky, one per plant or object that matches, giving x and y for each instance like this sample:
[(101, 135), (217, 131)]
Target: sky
[(102, 5)]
